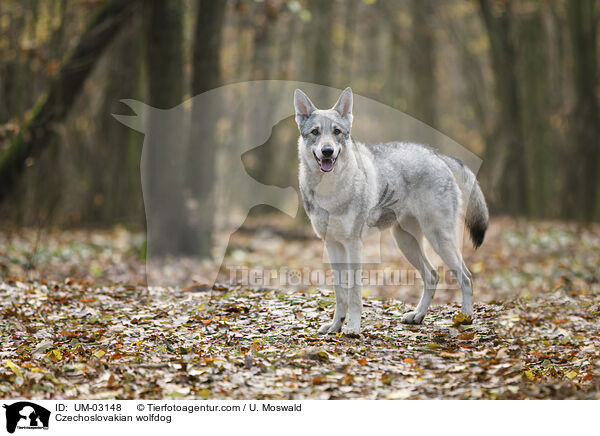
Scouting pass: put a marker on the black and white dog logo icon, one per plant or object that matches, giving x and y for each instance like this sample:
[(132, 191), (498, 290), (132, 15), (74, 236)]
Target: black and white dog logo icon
[(26, 415)]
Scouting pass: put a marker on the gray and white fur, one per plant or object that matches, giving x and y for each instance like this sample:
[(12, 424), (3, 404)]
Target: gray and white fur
[(351, 190)]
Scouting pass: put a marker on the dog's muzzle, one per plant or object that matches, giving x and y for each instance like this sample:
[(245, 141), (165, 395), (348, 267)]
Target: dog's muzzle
[(326, 163)]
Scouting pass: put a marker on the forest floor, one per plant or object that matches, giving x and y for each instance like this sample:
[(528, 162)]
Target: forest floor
[(77, 321)]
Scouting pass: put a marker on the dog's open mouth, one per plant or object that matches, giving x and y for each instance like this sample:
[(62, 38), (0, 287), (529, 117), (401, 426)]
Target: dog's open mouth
[(326, 163)]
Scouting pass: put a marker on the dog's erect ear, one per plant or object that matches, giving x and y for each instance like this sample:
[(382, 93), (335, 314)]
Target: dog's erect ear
[(344, 104), (304, 107)]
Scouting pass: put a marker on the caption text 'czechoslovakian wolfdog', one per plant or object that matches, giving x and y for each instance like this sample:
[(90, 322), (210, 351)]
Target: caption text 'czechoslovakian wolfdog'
[(351, 190)]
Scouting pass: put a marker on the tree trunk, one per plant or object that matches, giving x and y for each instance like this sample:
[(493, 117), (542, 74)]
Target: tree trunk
[(116, 196), (534, 72), (37, 133), (582, 195), (422, 62), (202, 146), (262, 65), (504, 159), (322, 49), (162, 182)]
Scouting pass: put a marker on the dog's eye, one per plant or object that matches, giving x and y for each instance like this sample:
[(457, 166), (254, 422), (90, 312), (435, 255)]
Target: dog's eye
[(315, 131), (336, 131)]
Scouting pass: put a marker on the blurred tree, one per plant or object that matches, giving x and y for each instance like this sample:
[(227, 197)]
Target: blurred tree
[(264, 64), (466, 37), (164, 52), (533, 77), (422, 60), (115, 195), (582, 187), (164, 68), (38, 132), (504, 160), (284, 162), (265, 20), (396, 76), (202, 153), (347, 64), (319, 50)]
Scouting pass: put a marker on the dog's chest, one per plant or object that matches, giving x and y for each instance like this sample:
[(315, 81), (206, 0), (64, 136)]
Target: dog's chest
[(331, 226), (332, 216)]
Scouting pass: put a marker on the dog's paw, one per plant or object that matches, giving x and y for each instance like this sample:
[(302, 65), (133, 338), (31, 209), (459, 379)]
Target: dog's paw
[(333, 327), (413, 318), (467, 311), (351, 331)]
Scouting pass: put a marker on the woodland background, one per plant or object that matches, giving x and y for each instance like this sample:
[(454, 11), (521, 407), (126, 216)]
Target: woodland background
[(514, 81)]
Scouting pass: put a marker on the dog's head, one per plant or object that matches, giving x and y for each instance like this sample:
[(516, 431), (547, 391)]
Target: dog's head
[(324, 133)]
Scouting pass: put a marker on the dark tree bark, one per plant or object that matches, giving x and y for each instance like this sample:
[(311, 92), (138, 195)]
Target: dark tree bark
[(162, 181), (319, 48), (202, 146), (37, 133), (264, 66), (164, 52), (422, 61), (582, 191), (533, 62), (322, 16), (116, 195), (284, 164), (504, 158), (207, 45)]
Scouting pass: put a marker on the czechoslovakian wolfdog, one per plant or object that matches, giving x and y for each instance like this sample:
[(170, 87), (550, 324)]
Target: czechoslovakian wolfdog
[(350, 190)]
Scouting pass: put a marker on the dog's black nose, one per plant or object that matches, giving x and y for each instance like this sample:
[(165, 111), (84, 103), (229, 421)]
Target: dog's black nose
[(327, 151)]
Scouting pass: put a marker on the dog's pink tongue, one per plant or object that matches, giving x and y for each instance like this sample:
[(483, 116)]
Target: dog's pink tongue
[(326, 164)]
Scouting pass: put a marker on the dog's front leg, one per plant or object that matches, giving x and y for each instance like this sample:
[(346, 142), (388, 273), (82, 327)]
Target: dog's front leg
[(337, 257), (354, 270)]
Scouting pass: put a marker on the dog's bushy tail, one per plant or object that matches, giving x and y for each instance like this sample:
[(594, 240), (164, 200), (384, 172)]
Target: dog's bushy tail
[(476, 213)]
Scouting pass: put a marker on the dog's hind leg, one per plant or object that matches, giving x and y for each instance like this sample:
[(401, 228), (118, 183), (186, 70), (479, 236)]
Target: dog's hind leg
[(446, 247), (409, 237), (337, 257)]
